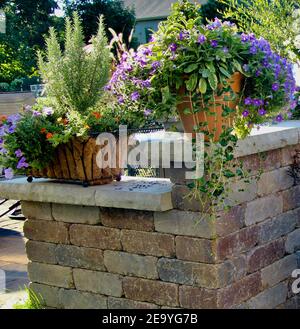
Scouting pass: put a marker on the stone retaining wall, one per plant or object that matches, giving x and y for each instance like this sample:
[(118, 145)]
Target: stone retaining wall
[(93, 257)]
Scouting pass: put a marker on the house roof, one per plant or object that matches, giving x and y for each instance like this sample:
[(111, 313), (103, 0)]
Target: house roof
[(152, 9)]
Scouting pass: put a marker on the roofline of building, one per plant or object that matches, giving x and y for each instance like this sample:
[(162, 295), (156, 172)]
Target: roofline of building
[(156, 18)]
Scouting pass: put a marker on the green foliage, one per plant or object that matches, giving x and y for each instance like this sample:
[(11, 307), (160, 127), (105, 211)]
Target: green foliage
[(212, 9), (4, 87), (26, 23), (117, 17), (33, 302), (76, 76), (277, 21)]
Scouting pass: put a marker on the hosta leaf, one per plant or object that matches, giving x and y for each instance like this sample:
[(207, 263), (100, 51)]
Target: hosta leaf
[(213, 81), (191, 68), (202, 86), (192, 82)]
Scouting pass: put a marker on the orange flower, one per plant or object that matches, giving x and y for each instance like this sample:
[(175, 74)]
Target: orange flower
[(49, 135), (87, 127), (97, 115), (3, 118), (65, 121), (117, 119), (43, 130)]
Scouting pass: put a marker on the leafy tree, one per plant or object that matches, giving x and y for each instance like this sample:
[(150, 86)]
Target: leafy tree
[(27, 21), (278, 21), (116, 16), (212, 9)]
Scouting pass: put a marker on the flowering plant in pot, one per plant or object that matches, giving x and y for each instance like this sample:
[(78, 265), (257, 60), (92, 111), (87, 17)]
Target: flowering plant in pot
[(55, 137), (221, 81)]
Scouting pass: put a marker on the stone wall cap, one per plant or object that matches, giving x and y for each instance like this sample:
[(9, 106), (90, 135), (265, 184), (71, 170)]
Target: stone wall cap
[(265, 138), (150, 194)]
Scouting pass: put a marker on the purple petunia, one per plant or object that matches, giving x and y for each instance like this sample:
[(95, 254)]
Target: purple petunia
[(36, 113), (275, 86), (22, 163), (48, 111), (173, 47), (201, 39), (183, 35), (135, 96), (214, 43), (279, 118), (121, 100), (248, 101), (18, 153), (262, 112), (147, 112), (245, 113), (9, 174)]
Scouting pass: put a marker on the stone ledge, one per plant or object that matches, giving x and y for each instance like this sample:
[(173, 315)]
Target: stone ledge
[(266, 138), (131, 193)]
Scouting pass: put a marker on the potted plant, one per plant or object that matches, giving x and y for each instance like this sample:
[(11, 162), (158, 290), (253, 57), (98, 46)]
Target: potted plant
[(217, 78), (55, 137)]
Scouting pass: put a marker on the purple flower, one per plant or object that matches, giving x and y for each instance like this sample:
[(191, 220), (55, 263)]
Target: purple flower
[(225, 50), (279, 118), (248, 101), (146, 84), (183, 35), (48, 110), (253, 50), (3, 150), (244, 37), (19, 153), (258, 102), (127, 67), (201, 39), (121, 100), (173, 47), (27, 108), (147, 112), (275, 86), (36, 113), (214, 43), (135, 96), (262, 112), (152, 38), (9, 174), (245, 113), (14, 118), (22, 163)]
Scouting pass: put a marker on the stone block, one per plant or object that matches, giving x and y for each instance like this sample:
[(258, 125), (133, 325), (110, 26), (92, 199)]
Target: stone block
[(160, 293), (146, 243), (265, 255), (197, 250), (46, 231), (130, 264), (76, 214), (52, 275), (73, 299), (291, 198), (80, 257), (279, 271), (230, 221), (276, 227), (270, 298), (197, 298), (293, 242), (184, 223), (263, 208), (238, 242), (128, 304), (41, 252), (47, 295), (95, 237), (239, 291), (274, 181), (37, 210), (98, 282), (137, 220)]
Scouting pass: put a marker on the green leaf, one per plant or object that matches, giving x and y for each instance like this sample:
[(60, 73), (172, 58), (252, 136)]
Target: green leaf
[(225, 72), (210, 67), (202, 86), (191, 68), (192, 82), (213, 81)]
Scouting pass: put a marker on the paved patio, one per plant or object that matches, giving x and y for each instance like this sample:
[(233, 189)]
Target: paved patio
[(13, 259)]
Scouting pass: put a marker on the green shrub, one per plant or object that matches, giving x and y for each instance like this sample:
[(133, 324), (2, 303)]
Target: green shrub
[(76, 76), (4, 87)]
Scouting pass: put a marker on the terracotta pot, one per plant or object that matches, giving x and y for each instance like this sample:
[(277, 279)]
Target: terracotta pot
[(76, 161), (215, 120)]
